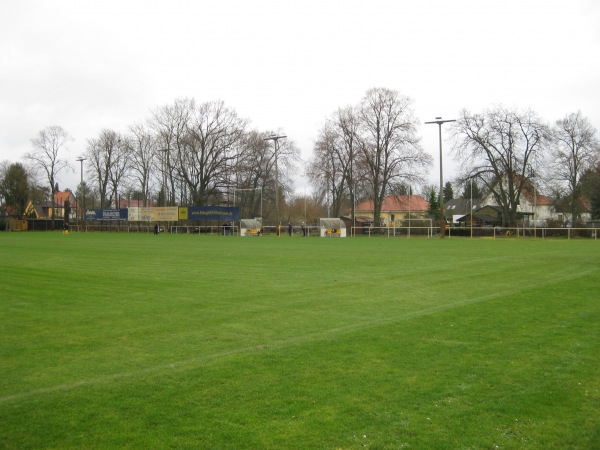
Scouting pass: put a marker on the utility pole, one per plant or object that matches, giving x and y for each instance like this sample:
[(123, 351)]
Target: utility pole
[(165, 152), (439, 121), (275, 138), (81, 159)]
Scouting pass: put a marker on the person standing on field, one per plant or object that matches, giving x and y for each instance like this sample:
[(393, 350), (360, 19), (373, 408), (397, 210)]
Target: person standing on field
[(290, 228)]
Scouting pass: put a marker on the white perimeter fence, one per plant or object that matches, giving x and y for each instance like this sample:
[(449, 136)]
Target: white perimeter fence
[(314, 231), (479, 232)]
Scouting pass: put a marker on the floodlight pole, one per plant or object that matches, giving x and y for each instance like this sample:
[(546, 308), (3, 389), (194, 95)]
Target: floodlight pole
[(81, 159), (164, 161), (471, 212), (439, 121), (275, 139), (531, 176), (165, 152)]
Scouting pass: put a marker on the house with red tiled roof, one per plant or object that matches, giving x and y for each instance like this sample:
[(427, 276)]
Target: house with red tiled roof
[(535, 207), (47, 210), (563, 213), (396, 208)]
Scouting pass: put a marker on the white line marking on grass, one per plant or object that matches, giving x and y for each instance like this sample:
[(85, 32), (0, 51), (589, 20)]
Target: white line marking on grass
[(288, 341)]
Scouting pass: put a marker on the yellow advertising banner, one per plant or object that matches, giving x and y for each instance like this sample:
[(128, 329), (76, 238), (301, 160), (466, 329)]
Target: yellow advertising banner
[(154, 214), (183, 213)]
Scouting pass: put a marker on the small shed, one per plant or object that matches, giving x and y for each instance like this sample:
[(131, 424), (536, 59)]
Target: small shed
[(332, 227), (250, 227), (360, 224)]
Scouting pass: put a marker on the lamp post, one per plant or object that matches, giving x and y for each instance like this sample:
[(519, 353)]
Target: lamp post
[(439, 121), (531, 177), (275, 139), (471, 212), (165, 151), (81, 159)]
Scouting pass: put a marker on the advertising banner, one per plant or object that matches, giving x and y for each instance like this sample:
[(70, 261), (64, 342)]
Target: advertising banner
[(108, 215), (154, 214), (220, 213)]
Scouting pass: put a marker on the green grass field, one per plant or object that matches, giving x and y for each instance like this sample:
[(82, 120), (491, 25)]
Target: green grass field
[(142, 341)]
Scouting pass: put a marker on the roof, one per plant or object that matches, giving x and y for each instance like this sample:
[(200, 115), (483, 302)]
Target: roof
[(393, 203), (61, 197), (332, 223), (250, 223), (485, 218), (360, 219), (458, 206), (534, 197)]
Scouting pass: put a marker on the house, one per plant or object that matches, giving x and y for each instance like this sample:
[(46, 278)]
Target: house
[(47, 210), (537, 209), (396, 208), (459, 207), (360, 224), (564, 216), (485, 216)]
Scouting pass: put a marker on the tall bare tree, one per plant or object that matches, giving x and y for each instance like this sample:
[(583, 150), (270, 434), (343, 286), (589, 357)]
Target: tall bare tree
[(46, 156), (327, 168), (347, 122), (390, 147), (103, 153), (283, 156), (205, 162), (143, 146), (255, 163), (575, 151), (499, 147), (171, 124), (119, 168)]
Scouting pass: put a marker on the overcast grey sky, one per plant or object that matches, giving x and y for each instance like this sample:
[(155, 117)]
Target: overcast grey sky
[(89, 65)]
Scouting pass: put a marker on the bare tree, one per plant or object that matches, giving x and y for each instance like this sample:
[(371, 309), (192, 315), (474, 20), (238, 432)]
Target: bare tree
[(143, 146), (171, 124), (119, 168), (283, 155), (328, 168), (575, 151), (48, 146), (204, 162), (390, 146), (254, 164), (499, 147), (347, 121), (102, 153)]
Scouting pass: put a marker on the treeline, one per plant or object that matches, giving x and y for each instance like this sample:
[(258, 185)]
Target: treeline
[(372, 149), (205, 154)]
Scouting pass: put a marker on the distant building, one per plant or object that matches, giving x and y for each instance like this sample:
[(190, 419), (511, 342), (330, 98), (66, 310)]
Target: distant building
[(395, 209), (49, 210), (534, 208), (459, 207)]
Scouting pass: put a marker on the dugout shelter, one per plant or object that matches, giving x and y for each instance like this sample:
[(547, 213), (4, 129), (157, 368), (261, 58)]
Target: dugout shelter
[(250, 227), (332, 227)]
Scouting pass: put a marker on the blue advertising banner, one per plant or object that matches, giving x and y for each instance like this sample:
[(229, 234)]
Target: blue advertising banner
[(118, 215), (221, 213)]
